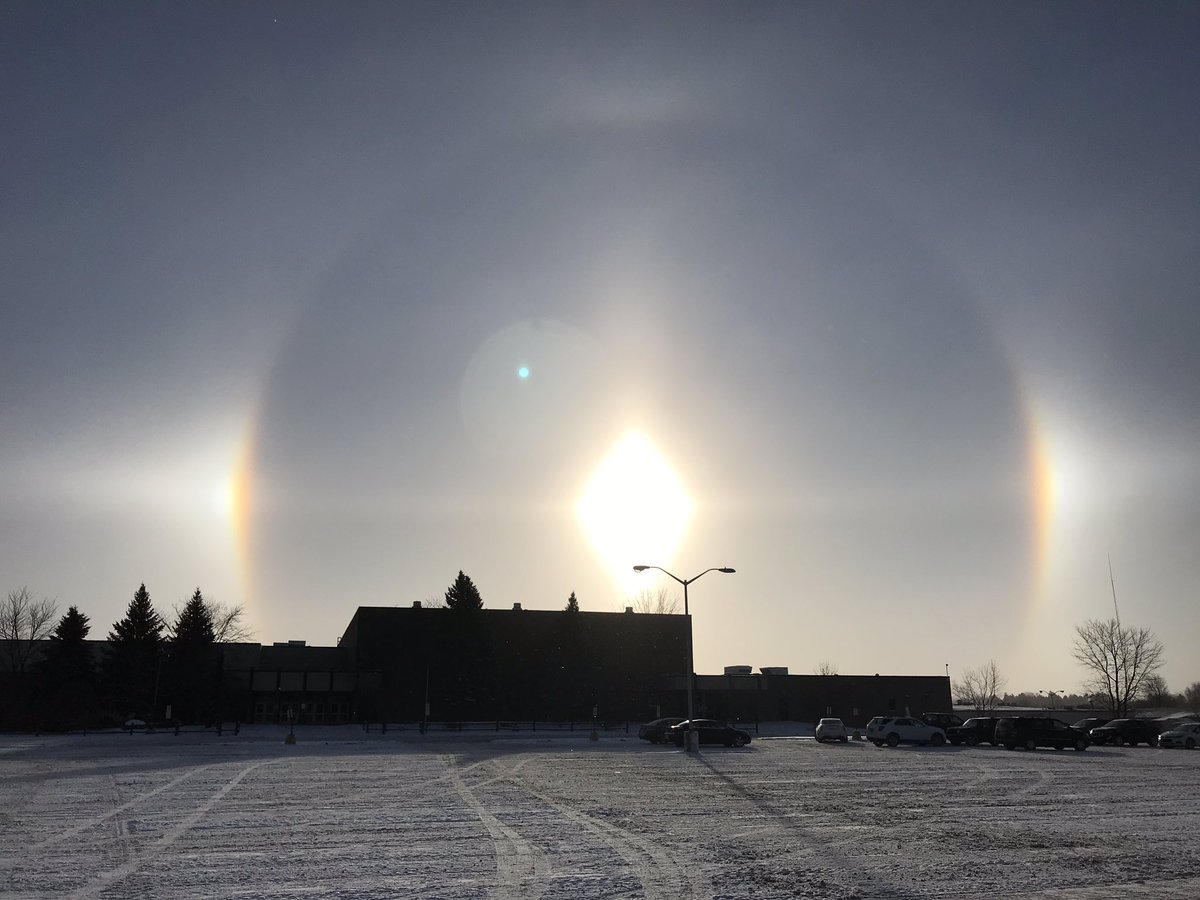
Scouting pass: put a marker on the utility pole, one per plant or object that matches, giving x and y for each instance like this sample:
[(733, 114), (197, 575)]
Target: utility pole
[(1116, 612)]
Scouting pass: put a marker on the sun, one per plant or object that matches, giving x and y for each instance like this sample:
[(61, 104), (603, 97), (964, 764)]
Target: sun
[(634, 509)]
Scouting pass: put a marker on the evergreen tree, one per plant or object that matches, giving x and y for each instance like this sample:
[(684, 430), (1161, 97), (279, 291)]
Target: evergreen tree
[(142, 625), (469, 687), (463, 595), (572, 603), (133, 665), (67, 674), (67, 656), (194, 624), (195, 663)]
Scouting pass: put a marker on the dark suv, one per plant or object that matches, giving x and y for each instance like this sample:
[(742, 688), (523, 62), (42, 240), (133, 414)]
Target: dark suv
[(1031, 732), (941, 720), (1126, 731), (979, 730)]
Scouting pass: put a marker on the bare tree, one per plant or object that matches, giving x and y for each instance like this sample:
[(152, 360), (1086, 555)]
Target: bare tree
[(658, 601), (980, 688), (23, 622), (1191, 697), (228, 621), (1156, 693), (825, 668), (1119, 660)]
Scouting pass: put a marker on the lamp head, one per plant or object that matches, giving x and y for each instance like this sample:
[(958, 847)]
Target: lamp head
[(640, 568), (726, 570)]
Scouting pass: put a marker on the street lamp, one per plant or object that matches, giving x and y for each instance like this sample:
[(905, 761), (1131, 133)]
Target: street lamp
[(692, 737)]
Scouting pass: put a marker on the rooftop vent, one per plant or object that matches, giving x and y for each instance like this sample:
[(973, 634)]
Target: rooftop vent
[(738, 670), (629, 609), (516, 607), (416, 604)]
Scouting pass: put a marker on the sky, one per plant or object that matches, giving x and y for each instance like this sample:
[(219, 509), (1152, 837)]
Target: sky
[(891, 308)]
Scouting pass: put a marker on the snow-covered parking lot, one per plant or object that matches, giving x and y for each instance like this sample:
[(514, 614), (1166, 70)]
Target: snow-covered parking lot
[(343, 814)]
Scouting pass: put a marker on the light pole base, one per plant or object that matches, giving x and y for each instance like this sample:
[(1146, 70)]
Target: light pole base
[(692, 741)]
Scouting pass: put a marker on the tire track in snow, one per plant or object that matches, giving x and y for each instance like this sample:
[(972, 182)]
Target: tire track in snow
[(1044, 778), (100, 820), (521, 869), (662, 876), (112, 876), (423, 783), (845, 865)]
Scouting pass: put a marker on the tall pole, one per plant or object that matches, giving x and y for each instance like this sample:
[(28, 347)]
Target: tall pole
[(691, 672), (1118, 643), (1113, 583), (692, 736)]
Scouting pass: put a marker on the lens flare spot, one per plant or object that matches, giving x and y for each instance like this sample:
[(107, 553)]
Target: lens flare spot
[(634, 509), (523, 372)]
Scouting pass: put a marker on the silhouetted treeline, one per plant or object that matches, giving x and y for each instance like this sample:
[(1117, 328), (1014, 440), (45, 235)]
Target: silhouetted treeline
[(152, 669)]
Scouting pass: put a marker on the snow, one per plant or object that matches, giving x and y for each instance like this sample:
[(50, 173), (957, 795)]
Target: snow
[(532, 815)]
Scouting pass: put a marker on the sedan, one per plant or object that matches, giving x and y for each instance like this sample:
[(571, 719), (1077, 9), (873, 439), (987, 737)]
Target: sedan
[(656, 732), (831, 730), (1185, 734), (710, 731)]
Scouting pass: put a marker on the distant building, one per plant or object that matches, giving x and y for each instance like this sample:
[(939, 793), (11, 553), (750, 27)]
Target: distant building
[(806, 698), (539, 665), (514, 664), (406, 664)]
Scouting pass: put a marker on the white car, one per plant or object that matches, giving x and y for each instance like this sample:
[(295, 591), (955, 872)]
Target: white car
[(893, 730), (1185, 734), (832, 730)]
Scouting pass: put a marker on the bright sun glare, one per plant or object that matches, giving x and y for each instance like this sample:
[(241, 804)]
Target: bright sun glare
[(634, 509)]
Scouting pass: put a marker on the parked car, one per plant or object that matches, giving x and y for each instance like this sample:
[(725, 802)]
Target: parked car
[(832, 730), (710, 731), (656, 732), (893, 730), (977, 730), (942, 720), (1086, 725), (1126, 731), (1183, 734), (1032, 732)]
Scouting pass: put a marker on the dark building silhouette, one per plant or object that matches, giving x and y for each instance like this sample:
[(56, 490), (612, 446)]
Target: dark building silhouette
[(806, 698), (513, 665), (538, 665)]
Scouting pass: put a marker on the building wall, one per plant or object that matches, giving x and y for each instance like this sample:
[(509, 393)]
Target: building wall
[(296, 683), (512, 665), (807, 698), (535, 665)]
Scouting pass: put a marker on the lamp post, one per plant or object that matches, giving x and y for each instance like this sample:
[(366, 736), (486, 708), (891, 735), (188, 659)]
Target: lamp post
[(161, 653), (692, 737)]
